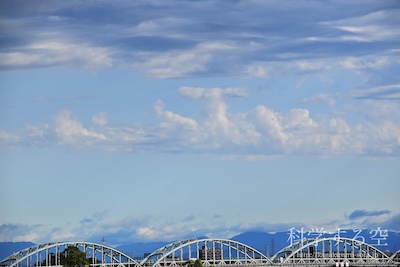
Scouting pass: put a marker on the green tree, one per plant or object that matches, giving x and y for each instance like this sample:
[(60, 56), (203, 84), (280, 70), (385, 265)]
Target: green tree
[(196, 263), (72, 256)]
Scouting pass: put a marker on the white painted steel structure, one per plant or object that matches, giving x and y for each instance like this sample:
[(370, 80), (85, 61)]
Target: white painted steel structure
[(332, 251), (210, 251), (48, 255), (396, 257)]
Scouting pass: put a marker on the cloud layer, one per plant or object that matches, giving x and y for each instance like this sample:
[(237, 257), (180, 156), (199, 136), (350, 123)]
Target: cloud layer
[(152, 228), (259, 131), (186, 39)]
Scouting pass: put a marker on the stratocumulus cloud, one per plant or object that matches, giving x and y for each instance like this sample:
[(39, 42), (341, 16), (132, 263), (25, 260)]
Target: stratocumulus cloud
[(196, 45), (364, 213)]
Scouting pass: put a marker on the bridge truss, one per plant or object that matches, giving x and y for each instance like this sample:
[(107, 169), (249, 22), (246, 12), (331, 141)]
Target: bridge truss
[(49, 255), (396, 257), (209, 251), (212, 252), (325, 251)]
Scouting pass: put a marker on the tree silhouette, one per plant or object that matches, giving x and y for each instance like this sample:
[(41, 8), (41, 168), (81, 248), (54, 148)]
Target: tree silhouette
[(196, 263), (72, 256)]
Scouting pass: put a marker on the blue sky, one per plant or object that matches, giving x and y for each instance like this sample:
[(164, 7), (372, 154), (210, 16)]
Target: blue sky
[(163, 120)]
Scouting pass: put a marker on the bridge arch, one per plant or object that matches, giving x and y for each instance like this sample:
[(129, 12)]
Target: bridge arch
[(396, 257), (209, 250), (48, 255), (329, 251)]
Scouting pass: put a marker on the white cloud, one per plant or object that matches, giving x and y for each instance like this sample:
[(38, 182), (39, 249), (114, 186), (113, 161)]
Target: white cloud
[(375, 26), (20, 232), (147, 233), (269, 124), (368, 62), (391, 91), (125, 137), (257, 70), (299, 119), (19, 59), (329, 99), (70, 131), (389, 132), (100, 119), (174, 120), (312, 65), (340, 140), (217, 46), (174, 64), (8, 138), (56, 52), (219, 125), (164, 26), (379, 130), (223, 127), (65, 234), (339, 126), (40, 131), (212, 93)]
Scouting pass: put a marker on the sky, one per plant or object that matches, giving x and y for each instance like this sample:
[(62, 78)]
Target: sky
[(154, 120)]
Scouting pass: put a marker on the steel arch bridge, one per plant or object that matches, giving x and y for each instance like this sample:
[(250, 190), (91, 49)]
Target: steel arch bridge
[(325, 251), (210, 251), (48, 255)]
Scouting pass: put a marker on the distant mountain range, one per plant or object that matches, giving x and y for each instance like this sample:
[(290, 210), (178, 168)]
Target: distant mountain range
[(266, 243), (8, 248)]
